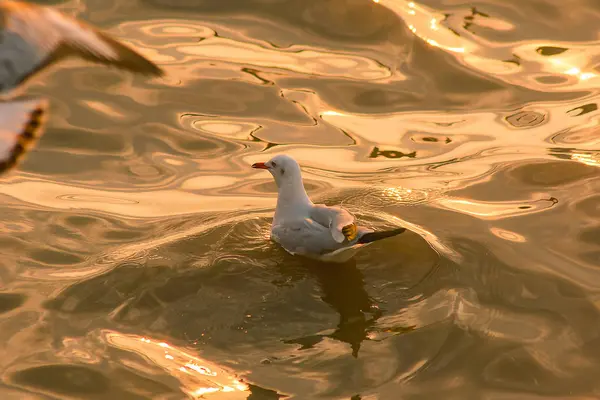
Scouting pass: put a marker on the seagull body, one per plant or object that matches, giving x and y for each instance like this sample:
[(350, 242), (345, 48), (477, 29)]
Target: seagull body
[(31, 38), (313, 230)]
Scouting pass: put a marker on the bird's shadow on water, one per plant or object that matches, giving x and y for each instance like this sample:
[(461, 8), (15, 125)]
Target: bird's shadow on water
[(342, 287)]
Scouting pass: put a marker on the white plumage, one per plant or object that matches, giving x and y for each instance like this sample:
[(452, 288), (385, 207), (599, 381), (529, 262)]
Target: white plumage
[(313, 230)]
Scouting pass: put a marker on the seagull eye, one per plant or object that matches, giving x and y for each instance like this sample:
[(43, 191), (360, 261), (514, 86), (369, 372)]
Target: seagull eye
[(274, 164)]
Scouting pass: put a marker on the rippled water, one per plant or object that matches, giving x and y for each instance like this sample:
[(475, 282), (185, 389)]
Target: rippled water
[(135, 254)]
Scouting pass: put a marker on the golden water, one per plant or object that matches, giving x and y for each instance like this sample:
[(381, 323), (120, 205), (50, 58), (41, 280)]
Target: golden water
[(135, 254)]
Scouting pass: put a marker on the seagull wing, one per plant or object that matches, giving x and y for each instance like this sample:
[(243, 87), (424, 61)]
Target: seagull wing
[(21, 123), (339, 221), (304, 236), (35, 36)]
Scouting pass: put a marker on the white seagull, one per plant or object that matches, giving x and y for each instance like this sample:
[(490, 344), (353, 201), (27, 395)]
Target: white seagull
[(31, 38), (313, 230)]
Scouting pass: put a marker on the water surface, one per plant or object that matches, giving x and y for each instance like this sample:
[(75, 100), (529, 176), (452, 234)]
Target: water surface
[(135, 254)]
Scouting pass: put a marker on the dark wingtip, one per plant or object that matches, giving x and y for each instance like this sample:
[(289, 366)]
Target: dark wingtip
[(128, 59), (373, 236), (30, 133), (133, 61)]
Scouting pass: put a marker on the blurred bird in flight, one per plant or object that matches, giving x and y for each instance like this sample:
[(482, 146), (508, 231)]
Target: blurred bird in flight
[(32, 38)]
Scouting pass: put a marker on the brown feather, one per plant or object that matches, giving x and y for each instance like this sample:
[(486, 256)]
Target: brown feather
[(30, 133)]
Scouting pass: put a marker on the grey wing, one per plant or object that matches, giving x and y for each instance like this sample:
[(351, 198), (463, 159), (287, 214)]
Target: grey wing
[(21, 123), (339, 221), (305, 236), (34, 36)]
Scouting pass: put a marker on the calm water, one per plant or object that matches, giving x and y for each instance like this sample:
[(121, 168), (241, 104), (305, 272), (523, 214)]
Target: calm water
[(135, 255)]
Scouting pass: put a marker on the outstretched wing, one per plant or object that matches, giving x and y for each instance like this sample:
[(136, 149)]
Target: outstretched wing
[(340, 222), (35, 36), (21, 123)]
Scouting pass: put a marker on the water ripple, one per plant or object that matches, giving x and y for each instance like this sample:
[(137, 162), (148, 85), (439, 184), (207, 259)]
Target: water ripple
[(135, 237)]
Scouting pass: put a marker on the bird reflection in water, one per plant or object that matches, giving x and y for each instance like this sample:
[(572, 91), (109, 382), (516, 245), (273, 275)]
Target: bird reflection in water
[(343, 288)]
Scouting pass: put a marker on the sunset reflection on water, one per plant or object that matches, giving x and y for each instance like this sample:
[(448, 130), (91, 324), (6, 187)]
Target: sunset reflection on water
[(135, 236)]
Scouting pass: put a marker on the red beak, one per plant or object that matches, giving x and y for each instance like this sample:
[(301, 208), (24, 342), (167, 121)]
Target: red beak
[(260, 165)]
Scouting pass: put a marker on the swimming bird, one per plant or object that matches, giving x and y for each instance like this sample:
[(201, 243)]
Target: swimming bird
[(313, 230), (31, 38)]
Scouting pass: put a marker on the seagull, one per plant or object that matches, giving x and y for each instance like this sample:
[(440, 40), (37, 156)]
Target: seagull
[(31, 38), (315, 231)]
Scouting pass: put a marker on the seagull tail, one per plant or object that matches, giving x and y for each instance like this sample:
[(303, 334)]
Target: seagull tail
[(373, 236)]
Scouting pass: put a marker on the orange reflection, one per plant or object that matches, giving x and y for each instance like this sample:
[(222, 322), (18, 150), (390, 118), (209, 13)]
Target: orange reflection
[(587, 158), (178, 44), (493, 57), (199, 378), (508, 235), (424, 24), (494, 137), (155, 203), (494, 210), (105, 108), (570, 68)]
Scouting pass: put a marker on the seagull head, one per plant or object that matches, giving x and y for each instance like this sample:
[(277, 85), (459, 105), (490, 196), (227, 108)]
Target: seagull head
[(284, 169)]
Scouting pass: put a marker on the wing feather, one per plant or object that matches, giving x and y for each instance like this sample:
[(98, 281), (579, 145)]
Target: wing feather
[(35, 36), (21, 124), (304, 236), (339, 221)]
